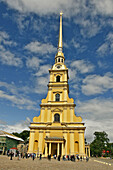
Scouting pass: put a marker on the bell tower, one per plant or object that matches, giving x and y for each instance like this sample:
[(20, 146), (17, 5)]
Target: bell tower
[(57, 130)]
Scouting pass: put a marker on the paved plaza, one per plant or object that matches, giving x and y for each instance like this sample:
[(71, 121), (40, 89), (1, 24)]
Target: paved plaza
[(26, 164)]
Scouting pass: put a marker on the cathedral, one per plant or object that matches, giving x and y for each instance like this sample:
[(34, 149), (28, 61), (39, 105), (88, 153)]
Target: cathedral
[(57, 130)]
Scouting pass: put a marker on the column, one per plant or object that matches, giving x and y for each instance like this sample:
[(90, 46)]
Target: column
[(81, 143), (45, 149), (31, 142), (72, 143), (65, 147), (71, 114), (89, 151), (86, 150), (40, 141), (49, 148), (57, 149), (62, 149)]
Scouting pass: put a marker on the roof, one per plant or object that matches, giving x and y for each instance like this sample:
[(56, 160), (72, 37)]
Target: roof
[(9, 135)]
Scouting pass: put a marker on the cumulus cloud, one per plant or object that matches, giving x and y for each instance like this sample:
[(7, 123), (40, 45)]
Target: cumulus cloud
[(33, 63), (43, 70), (107, 47), (41, 84), (6, 56), (46, 6), (103, 7), (97, 84), (82, 66), (98, 115), (17, 127), (42, 48), (17, 96), (19, 101)]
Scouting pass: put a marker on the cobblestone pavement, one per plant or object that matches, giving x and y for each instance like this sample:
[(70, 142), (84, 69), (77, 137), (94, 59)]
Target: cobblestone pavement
[(29, 164)]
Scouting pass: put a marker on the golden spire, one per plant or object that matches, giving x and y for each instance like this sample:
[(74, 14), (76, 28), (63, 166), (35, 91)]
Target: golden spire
[(60, 34)]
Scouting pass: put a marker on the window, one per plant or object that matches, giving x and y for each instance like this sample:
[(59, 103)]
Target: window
[(58, 59), (56, 117), (62, 60), (57, 97), (58, 79)]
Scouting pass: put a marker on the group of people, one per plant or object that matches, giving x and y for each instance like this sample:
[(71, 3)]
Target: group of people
[(33, 156), (75, 157)]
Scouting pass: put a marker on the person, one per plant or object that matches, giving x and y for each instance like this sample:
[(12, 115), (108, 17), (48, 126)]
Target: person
[(11, 155), (33, 156), (87, 158), (19, 155), (40, 156), (81, 158), (26, 155), (58, 157)]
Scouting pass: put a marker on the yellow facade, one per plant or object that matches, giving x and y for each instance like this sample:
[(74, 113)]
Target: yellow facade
[(57, 130)]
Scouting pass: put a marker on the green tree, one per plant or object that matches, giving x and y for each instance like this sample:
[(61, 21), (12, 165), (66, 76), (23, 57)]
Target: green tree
[(24, 134), (99, 143)]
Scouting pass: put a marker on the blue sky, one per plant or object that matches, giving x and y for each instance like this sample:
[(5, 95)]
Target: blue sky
[(28, 44)]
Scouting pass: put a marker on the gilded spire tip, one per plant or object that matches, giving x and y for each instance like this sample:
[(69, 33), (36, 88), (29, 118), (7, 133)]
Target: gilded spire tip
[(60, 34)]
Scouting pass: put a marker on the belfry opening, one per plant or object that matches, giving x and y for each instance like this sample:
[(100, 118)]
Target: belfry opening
[(57, 130)]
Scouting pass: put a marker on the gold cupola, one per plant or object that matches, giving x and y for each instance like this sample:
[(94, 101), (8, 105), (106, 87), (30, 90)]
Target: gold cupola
[(59, 58)]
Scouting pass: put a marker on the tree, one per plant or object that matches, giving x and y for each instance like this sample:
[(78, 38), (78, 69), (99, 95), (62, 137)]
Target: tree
[(24, 134), (99, 144)]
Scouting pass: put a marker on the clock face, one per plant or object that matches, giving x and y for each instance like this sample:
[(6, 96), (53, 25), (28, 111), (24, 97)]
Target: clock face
[(58, 66)]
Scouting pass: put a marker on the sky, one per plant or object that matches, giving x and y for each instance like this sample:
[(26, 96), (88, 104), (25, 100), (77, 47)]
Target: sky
[(28, 44)]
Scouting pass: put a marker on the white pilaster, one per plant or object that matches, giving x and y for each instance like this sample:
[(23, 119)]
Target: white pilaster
[(31, 142), (72, 143), (81, 143), (45, 149), (49, 148), (58, 149), (40, 142)]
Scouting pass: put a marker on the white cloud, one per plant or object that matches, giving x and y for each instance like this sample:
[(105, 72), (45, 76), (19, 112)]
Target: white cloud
[(103, 7), (42, 48), (46, 6), (43, 69), (96, 84), (5, 39), (33, 63), (98, 115), (82, 66), (6, 56), (107, 47), (16, 95), (17, 127), (41, 85), (19, 101)]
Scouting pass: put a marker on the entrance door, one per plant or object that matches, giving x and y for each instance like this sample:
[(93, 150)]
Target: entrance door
[(54, 149)]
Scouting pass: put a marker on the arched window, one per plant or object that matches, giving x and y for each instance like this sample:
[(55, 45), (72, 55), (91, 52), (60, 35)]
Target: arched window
[(58, 59), (57, 97), (62, 60), (56, 117), (58, 79)]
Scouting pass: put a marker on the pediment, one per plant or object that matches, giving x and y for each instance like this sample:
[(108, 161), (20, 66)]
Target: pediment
[(57, 110)]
